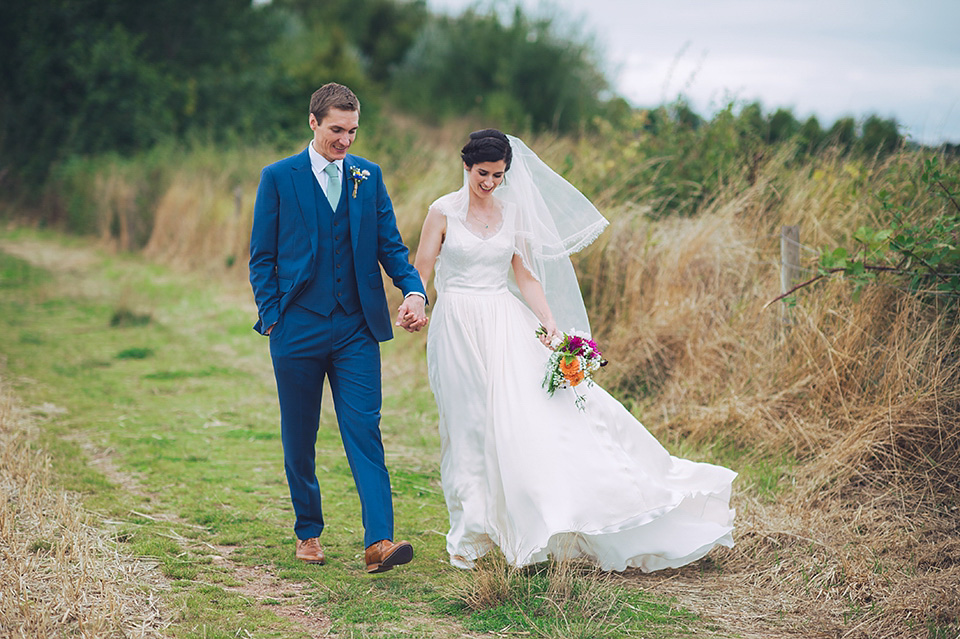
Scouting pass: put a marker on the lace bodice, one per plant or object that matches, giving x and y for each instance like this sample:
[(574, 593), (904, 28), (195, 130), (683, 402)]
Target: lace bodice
[(474, 265)]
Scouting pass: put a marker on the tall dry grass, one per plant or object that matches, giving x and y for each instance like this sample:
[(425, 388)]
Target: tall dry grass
[(865, 391), (61, 575), (864, 395), (203, 215), (216, 238), (194, 210)]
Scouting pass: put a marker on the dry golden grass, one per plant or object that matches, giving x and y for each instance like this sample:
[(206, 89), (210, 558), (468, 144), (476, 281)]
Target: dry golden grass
[(864, 395), (868, 566), (201, 222), (862, 391), (61, 575), (117, 195)]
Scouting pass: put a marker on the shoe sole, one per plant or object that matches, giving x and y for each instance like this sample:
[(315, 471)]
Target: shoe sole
[(400, 556), (373, 569)]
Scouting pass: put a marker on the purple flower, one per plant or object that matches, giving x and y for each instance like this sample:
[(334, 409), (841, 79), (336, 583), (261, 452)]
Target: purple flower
[(576, 343)]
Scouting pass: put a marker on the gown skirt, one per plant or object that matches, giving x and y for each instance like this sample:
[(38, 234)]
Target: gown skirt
[(533, 474)]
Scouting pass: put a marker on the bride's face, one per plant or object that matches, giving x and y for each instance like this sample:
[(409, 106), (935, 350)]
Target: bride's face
[(485, 177)]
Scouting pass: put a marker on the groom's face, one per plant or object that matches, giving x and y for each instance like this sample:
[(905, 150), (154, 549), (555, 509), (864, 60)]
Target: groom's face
[(335, 133)]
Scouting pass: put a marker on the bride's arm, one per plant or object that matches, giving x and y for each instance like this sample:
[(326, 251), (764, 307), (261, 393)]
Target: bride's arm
[(431, 239), (533, 293)]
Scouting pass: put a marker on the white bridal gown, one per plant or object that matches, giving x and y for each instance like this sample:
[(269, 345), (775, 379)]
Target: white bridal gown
[(532, 474)]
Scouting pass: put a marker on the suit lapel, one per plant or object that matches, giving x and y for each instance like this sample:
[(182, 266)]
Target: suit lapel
[(303, 184), (354, 210)]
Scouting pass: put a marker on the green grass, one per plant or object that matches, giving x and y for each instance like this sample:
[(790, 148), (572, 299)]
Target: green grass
[(574, 601), (135, 353), (765, 474), (179, 394)]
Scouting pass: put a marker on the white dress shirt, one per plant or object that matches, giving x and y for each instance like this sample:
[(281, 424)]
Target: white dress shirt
[(318, 164)]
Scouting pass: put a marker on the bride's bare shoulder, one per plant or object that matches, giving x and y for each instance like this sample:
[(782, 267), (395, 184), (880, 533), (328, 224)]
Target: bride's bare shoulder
[(436, 220)]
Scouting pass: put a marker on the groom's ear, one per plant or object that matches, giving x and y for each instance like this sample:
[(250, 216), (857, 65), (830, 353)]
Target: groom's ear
[(312, 121)]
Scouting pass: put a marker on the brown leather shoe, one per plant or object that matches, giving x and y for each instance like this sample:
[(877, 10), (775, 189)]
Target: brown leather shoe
[(309, 550), (384, 555)]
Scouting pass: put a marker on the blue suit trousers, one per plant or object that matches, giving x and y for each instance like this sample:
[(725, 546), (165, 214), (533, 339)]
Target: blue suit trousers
[(306, 348)]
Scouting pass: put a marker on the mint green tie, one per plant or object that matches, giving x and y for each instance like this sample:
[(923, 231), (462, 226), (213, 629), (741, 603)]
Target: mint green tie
[(333, 185)]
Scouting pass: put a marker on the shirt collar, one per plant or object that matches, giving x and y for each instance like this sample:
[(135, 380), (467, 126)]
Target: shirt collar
[(318, 163)]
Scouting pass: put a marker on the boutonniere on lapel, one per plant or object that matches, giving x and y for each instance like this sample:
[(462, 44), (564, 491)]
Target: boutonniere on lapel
[(358, 176)]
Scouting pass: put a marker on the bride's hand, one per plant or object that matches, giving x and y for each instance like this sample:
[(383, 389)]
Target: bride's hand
[(548, 334)]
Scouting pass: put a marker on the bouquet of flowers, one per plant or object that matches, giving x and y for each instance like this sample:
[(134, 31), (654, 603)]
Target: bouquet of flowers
[(574, 359)]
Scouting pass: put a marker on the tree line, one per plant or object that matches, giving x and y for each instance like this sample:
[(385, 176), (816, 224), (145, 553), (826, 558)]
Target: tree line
[(89, 77)]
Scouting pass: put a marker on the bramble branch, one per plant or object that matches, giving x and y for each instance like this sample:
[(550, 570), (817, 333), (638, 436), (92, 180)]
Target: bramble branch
[(827, 273), (949, 194), (932, 270), (799, 286)]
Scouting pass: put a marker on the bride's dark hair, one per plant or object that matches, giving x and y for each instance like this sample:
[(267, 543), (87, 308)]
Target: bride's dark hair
[(488, 145)]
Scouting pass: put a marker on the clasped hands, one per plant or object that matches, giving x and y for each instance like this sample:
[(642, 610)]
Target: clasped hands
[(411, 315)]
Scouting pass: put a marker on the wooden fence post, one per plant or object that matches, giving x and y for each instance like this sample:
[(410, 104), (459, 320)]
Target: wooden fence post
[(789, 264), (789, 257)]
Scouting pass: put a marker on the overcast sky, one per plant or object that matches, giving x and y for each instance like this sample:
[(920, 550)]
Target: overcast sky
[(829, 58)]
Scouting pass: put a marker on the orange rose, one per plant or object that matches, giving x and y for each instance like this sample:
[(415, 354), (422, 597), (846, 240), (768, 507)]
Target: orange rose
[(571, 370)]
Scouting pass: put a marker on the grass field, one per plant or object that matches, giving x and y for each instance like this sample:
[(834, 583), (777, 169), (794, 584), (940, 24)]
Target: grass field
[(148, 407)]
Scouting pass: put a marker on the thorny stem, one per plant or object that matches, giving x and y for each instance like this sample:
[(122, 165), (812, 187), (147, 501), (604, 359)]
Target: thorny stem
[(869, 267), (949, 194), (799, 286), (922, 261)]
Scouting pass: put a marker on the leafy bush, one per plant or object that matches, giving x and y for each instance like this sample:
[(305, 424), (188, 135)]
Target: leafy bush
[(922, 250), (523, 73), (379, 32), (98, 76)]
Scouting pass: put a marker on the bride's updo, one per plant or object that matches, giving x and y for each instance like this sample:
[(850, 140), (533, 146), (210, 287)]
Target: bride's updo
[(488, 145)]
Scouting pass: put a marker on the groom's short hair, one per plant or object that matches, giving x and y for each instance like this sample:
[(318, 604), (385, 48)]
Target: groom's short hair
[(332, 96)]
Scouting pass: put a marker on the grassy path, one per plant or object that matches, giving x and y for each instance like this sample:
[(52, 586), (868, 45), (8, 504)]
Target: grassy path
[(159, 408)]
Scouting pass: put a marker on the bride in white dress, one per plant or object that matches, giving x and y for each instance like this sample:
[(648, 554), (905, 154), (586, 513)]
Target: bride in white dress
[(523, 471)]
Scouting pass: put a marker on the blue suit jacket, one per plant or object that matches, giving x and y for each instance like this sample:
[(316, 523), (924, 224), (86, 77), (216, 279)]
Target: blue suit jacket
[(285, 238)]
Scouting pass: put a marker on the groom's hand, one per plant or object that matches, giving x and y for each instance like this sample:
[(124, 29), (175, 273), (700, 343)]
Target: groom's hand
[(411, 315)]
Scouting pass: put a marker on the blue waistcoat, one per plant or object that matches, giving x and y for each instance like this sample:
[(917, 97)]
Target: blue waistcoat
[(335, 279)]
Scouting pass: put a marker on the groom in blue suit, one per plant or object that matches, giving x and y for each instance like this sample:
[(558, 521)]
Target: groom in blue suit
[(323, 225)]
